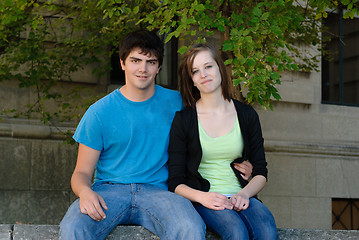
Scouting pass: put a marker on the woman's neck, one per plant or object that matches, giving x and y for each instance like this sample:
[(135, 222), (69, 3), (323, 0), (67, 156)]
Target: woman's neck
[(213, 102)]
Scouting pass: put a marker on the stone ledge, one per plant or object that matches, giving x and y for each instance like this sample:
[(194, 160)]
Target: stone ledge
[(50, 232)]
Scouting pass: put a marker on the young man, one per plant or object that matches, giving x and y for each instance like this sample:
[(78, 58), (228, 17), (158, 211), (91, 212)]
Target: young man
[(124, 138)]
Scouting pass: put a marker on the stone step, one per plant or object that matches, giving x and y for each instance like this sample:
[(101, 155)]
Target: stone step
[(50, 232)]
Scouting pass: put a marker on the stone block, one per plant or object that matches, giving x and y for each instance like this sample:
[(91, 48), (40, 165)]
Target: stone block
[(331, 177), (141, 233), (291, 125), (5, 232), (52, 164), (290, 174), (280, 208), (14, 164), (347, 130), (51, 232), (131, 232), (311, 213), (13, 97), (315, 234), (297, 87), (14, 206), (48, 207), (35, 207), (350, 167), (39, 232)]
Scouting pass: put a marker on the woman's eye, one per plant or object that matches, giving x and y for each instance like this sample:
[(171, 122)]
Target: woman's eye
[(194, 72), (209, 66)]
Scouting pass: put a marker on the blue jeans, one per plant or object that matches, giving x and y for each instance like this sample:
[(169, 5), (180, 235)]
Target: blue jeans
[(256, 222), (164, 213)]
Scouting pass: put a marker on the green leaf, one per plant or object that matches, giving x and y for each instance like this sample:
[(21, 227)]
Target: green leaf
[(257, 12), (227, 46), (265, 15), (228, 61), (183, 49), (251, 61)]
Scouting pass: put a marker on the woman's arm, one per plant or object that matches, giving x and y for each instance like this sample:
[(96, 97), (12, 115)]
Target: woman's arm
[(211, 200), (240, 200)]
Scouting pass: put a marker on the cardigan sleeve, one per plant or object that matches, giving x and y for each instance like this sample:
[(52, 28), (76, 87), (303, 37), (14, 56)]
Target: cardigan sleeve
[(256, 154), (177, 153)]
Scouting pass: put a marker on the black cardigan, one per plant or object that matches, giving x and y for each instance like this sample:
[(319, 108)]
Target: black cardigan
[(185, 152)]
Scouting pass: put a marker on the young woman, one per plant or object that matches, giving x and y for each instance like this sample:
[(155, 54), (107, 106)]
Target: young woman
[(208, 139)]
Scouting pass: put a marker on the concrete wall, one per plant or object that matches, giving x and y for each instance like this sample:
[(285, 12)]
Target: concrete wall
[(313, 154), (34, 180)]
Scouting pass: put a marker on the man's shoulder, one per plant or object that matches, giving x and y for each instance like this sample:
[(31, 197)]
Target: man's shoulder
[(168, 91), (169, 95), (105, 100)]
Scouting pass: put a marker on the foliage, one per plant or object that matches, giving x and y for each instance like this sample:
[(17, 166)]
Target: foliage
[(42, 43)]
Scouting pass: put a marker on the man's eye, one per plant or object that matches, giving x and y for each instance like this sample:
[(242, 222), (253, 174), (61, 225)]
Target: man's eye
[(134, 61), (152, 62)]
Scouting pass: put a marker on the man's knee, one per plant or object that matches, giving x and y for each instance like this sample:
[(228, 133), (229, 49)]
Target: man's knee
[(74, 230), (67, 230), (190, 228)]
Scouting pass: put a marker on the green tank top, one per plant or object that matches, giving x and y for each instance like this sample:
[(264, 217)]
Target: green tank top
[(217, 155)]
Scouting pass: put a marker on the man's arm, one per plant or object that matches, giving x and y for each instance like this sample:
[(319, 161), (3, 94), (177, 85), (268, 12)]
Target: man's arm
[(91, 203)]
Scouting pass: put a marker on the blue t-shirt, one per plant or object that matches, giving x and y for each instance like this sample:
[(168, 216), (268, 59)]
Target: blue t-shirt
[(133, 137)]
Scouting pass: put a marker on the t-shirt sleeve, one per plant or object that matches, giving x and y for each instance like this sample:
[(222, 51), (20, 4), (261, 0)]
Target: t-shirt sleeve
[(89, 130)]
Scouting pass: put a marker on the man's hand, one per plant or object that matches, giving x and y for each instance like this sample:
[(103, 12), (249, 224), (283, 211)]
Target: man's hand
[(245, 168), (215, 201), (240, 201), (91, 204)]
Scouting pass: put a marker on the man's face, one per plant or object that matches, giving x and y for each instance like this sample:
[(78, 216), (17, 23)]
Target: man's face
[(140, 69)]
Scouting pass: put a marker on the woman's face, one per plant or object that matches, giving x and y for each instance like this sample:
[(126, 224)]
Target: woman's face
[(205, 73)]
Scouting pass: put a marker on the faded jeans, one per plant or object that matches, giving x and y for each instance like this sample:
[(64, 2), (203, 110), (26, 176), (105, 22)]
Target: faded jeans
[(164, 213), (256, 222)]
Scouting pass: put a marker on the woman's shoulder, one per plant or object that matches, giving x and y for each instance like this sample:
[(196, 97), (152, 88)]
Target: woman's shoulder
[(242, 106), (245, 110), (187, 115), (187, 111)]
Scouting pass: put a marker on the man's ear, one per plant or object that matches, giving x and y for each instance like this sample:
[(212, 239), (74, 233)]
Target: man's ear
[(158, 70), (122, 64)]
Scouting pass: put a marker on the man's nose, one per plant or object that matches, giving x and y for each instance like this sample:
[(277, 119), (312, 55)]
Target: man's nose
[(143, 67)]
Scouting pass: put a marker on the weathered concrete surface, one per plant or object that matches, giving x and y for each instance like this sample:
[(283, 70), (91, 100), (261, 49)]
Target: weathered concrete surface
[(138, 232), (314, 234), (50, 232), (131, 232), (5, 231), (35, 232)]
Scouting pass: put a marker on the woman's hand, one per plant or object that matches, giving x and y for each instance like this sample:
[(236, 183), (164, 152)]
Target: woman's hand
[(240, 201), (246, 169), (215, 201)]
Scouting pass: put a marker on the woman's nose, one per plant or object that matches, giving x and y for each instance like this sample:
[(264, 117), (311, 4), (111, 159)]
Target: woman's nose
[(203, 73)]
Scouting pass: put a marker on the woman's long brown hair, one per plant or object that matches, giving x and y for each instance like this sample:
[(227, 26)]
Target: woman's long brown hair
[(190, 93)]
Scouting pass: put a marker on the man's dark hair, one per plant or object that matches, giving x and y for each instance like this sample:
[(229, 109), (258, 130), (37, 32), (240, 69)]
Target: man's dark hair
[(147, 41)]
